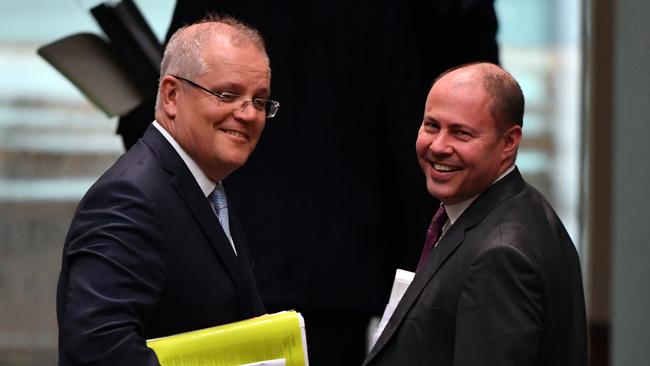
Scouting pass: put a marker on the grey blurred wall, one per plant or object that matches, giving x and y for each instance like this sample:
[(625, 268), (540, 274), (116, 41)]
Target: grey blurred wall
[(630, 301), (53, 145)]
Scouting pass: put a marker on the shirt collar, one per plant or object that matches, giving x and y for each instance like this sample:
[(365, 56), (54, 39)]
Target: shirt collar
[(454, 211), (207, 186)]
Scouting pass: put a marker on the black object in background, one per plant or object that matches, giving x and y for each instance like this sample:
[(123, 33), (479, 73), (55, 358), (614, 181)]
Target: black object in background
[(116, 74), (132, 40)]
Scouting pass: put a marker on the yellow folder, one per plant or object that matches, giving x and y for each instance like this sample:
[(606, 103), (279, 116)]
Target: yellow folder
[(271, 339)]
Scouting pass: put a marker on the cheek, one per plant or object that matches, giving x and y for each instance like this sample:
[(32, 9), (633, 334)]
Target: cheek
[(259, 127), (421, 145), (473, 154)]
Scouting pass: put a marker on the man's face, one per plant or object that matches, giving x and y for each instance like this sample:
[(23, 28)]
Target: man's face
[(220, 136), (458, 146)]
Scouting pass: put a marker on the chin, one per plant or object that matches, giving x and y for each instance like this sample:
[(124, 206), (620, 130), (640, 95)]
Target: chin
[(434, 190), (440, 193), (237, 161)]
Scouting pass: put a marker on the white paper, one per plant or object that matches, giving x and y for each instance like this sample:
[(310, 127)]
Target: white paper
[(401, 283), (277, 362)]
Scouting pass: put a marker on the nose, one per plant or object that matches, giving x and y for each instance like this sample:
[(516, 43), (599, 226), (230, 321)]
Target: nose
[(440, 144), (245, 112)]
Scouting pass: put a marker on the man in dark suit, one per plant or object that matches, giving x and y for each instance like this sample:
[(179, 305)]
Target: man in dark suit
[(153, 249), (502, 286)]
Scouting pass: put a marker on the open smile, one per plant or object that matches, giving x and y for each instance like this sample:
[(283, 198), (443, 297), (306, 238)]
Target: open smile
[(444, 168), (235, 133)]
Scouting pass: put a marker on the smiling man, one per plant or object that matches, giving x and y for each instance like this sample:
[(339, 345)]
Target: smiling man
[(154, 249), (499, 279)]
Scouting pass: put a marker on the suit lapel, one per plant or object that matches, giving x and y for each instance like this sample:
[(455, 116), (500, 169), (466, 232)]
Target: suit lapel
[(488, 200), (256, 304), (443, 250), (188, 189)]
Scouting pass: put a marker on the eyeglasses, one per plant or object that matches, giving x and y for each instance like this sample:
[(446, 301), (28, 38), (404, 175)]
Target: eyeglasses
[(270, 107)]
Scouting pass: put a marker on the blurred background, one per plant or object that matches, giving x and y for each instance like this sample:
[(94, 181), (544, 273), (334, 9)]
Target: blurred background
[(584, 67)]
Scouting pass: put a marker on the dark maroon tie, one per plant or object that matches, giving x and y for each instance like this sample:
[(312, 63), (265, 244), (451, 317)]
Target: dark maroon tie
[(433, 234)]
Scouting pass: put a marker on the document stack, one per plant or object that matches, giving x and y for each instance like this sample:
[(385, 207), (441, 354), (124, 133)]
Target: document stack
[(268, 340)]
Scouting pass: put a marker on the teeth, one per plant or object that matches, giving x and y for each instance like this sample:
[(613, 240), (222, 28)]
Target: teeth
[(443, 168), (235, 133)]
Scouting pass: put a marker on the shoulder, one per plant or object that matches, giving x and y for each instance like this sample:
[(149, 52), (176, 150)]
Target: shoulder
[(523, 230), (525, 213), (126, 196), (133, 175)]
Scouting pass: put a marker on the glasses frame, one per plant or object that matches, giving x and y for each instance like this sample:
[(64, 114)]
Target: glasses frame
[(228, 97)]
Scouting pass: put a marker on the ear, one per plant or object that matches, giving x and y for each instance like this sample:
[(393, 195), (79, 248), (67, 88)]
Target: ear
[(511, 138), (169, 95)]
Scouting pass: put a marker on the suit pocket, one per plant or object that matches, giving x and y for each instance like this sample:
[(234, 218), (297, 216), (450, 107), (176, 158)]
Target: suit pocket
[(424, 314), (421, 332)]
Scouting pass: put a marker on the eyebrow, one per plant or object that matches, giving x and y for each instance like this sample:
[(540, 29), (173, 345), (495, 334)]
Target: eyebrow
[(239, 88), (458, 125), (451, 126)]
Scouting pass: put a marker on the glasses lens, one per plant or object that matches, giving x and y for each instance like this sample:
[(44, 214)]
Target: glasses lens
[(271, 108)]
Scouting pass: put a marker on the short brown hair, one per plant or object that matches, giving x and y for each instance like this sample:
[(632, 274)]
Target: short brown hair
[(506, 97)]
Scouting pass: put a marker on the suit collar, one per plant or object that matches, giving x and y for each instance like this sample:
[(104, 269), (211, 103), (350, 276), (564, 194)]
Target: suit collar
[(186, 186), (207, 185), (455, 210), (505, 188)]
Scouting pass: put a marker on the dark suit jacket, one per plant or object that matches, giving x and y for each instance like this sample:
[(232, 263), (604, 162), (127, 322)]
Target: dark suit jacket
[(146, 257), (502, 287)]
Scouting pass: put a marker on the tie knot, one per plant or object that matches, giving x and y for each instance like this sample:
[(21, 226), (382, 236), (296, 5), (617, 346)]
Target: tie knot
[(218, 198), (439, 219), (433, 234)]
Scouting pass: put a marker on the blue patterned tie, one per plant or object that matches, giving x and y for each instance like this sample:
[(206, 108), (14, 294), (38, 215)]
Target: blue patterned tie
[(220, 204)]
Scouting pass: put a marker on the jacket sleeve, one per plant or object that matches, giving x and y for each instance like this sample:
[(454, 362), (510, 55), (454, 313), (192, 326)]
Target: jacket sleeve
[(500, 310), (111, 279)]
